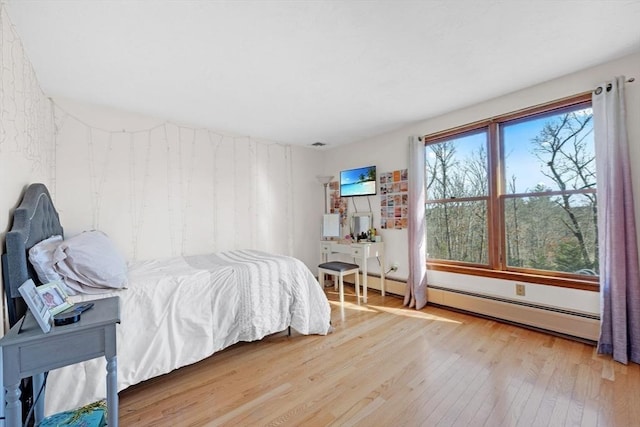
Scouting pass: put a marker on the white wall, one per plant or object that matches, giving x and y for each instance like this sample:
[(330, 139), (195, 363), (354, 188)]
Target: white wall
[(390, 152), (26, 128), (157, 188), (162, 189)]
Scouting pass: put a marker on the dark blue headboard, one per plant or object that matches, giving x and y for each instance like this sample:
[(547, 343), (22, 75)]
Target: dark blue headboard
[(34, 220)]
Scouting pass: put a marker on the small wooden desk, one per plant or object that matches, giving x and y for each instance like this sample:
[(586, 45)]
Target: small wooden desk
[(360, 252), (27, 351)]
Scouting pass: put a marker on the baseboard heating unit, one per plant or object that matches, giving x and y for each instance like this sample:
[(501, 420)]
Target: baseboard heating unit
[(572, 324)]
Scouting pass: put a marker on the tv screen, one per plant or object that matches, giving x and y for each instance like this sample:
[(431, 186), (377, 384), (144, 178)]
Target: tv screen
[(358, 182)]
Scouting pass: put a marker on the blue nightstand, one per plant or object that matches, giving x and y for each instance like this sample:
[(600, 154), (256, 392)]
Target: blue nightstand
[(27, 351)]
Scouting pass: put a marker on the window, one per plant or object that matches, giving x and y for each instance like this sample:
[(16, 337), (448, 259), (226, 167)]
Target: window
[(458, 198), (515, 196)]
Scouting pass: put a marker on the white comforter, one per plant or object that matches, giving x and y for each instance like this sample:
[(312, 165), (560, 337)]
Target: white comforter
[(178, 311)]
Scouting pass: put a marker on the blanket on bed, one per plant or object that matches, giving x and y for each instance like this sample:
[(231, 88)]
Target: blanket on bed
[(181, 310)]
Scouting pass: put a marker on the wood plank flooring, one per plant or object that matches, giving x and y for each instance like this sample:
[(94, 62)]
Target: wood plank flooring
[(385, 365)]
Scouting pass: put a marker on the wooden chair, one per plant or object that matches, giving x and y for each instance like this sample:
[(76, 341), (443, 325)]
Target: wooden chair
[(338, 270)]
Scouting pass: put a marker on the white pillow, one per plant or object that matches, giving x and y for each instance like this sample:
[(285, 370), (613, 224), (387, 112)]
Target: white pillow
[(41, 258), (90, 263)]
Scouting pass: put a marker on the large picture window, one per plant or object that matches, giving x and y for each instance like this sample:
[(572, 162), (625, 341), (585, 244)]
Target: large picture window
[(515, 196)]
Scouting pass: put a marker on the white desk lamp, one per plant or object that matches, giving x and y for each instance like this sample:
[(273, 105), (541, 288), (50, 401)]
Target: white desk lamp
[(324, 180)]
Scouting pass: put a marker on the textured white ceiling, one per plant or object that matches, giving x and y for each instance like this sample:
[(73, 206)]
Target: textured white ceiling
[(305, 71)]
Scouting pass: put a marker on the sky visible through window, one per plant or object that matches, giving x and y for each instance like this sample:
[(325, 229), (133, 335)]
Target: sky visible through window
[(467, 150), (520, 159)]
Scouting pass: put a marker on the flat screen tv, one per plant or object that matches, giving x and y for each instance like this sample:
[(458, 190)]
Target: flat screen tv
[(358, 182)]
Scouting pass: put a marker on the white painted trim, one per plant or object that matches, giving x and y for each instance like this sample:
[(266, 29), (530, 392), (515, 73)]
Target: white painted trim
[(564, 323)]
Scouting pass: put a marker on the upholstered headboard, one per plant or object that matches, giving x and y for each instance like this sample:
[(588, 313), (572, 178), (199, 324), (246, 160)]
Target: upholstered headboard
[(34, 220)]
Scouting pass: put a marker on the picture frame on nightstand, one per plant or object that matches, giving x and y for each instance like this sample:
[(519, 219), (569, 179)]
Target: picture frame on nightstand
[(54, 297), (36, 304)]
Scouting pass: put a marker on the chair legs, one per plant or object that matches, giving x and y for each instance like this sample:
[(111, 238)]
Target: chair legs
[(358, 287), (338, 281)]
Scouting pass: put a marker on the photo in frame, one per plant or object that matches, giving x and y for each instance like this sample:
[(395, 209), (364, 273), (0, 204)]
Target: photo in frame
[(54, 297), (37, 306)]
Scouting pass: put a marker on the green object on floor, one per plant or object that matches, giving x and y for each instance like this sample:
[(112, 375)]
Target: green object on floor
[(92, 415)]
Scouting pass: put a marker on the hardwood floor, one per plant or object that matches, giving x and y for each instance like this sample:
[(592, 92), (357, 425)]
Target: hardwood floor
[(385, 365)]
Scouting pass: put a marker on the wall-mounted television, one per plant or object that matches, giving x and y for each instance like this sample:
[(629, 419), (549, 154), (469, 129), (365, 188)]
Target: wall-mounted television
[(358, 182)]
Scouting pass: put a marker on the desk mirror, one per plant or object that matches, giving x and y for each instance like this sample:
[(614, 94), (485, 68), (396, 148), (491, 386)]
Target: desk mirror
[(361, 222), (330, 226)]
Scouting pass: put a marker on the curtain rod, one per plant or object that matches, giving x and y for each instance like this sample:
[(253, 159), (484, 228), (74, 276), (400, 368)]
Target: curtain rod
[(630, 80), (598, 90), (424, 137)]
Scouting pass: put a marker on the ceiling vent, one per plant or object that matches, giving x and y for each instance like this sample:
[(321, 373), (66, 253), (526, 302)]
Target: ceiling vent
[(318, 144)]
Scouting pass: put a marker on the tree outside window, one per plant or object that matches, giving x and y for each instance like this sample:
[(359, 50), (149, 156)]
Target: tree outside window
[(516, 194), (457, 194)]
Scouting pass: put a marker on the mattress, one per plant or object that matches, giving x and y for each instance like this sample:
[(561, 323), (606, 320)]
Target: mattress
[(178, 311)]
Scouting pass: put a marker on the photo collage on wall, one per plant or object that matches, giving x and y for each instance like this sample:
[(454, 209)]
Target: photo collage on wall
[(394, 199), (338, 204)]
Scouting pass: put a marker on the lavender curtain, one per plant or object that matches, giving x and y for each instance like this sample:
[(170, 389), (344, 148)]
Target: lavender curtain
[(416, 294), (618, 250)]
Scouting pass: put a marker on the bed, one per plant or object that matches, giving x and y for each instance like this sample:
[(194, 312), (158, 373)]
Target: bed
[(175, 311)]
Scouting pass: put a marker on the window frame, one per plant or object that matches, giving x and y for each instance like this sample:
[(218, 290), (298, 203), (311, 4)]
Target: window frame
[(497, 266)]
